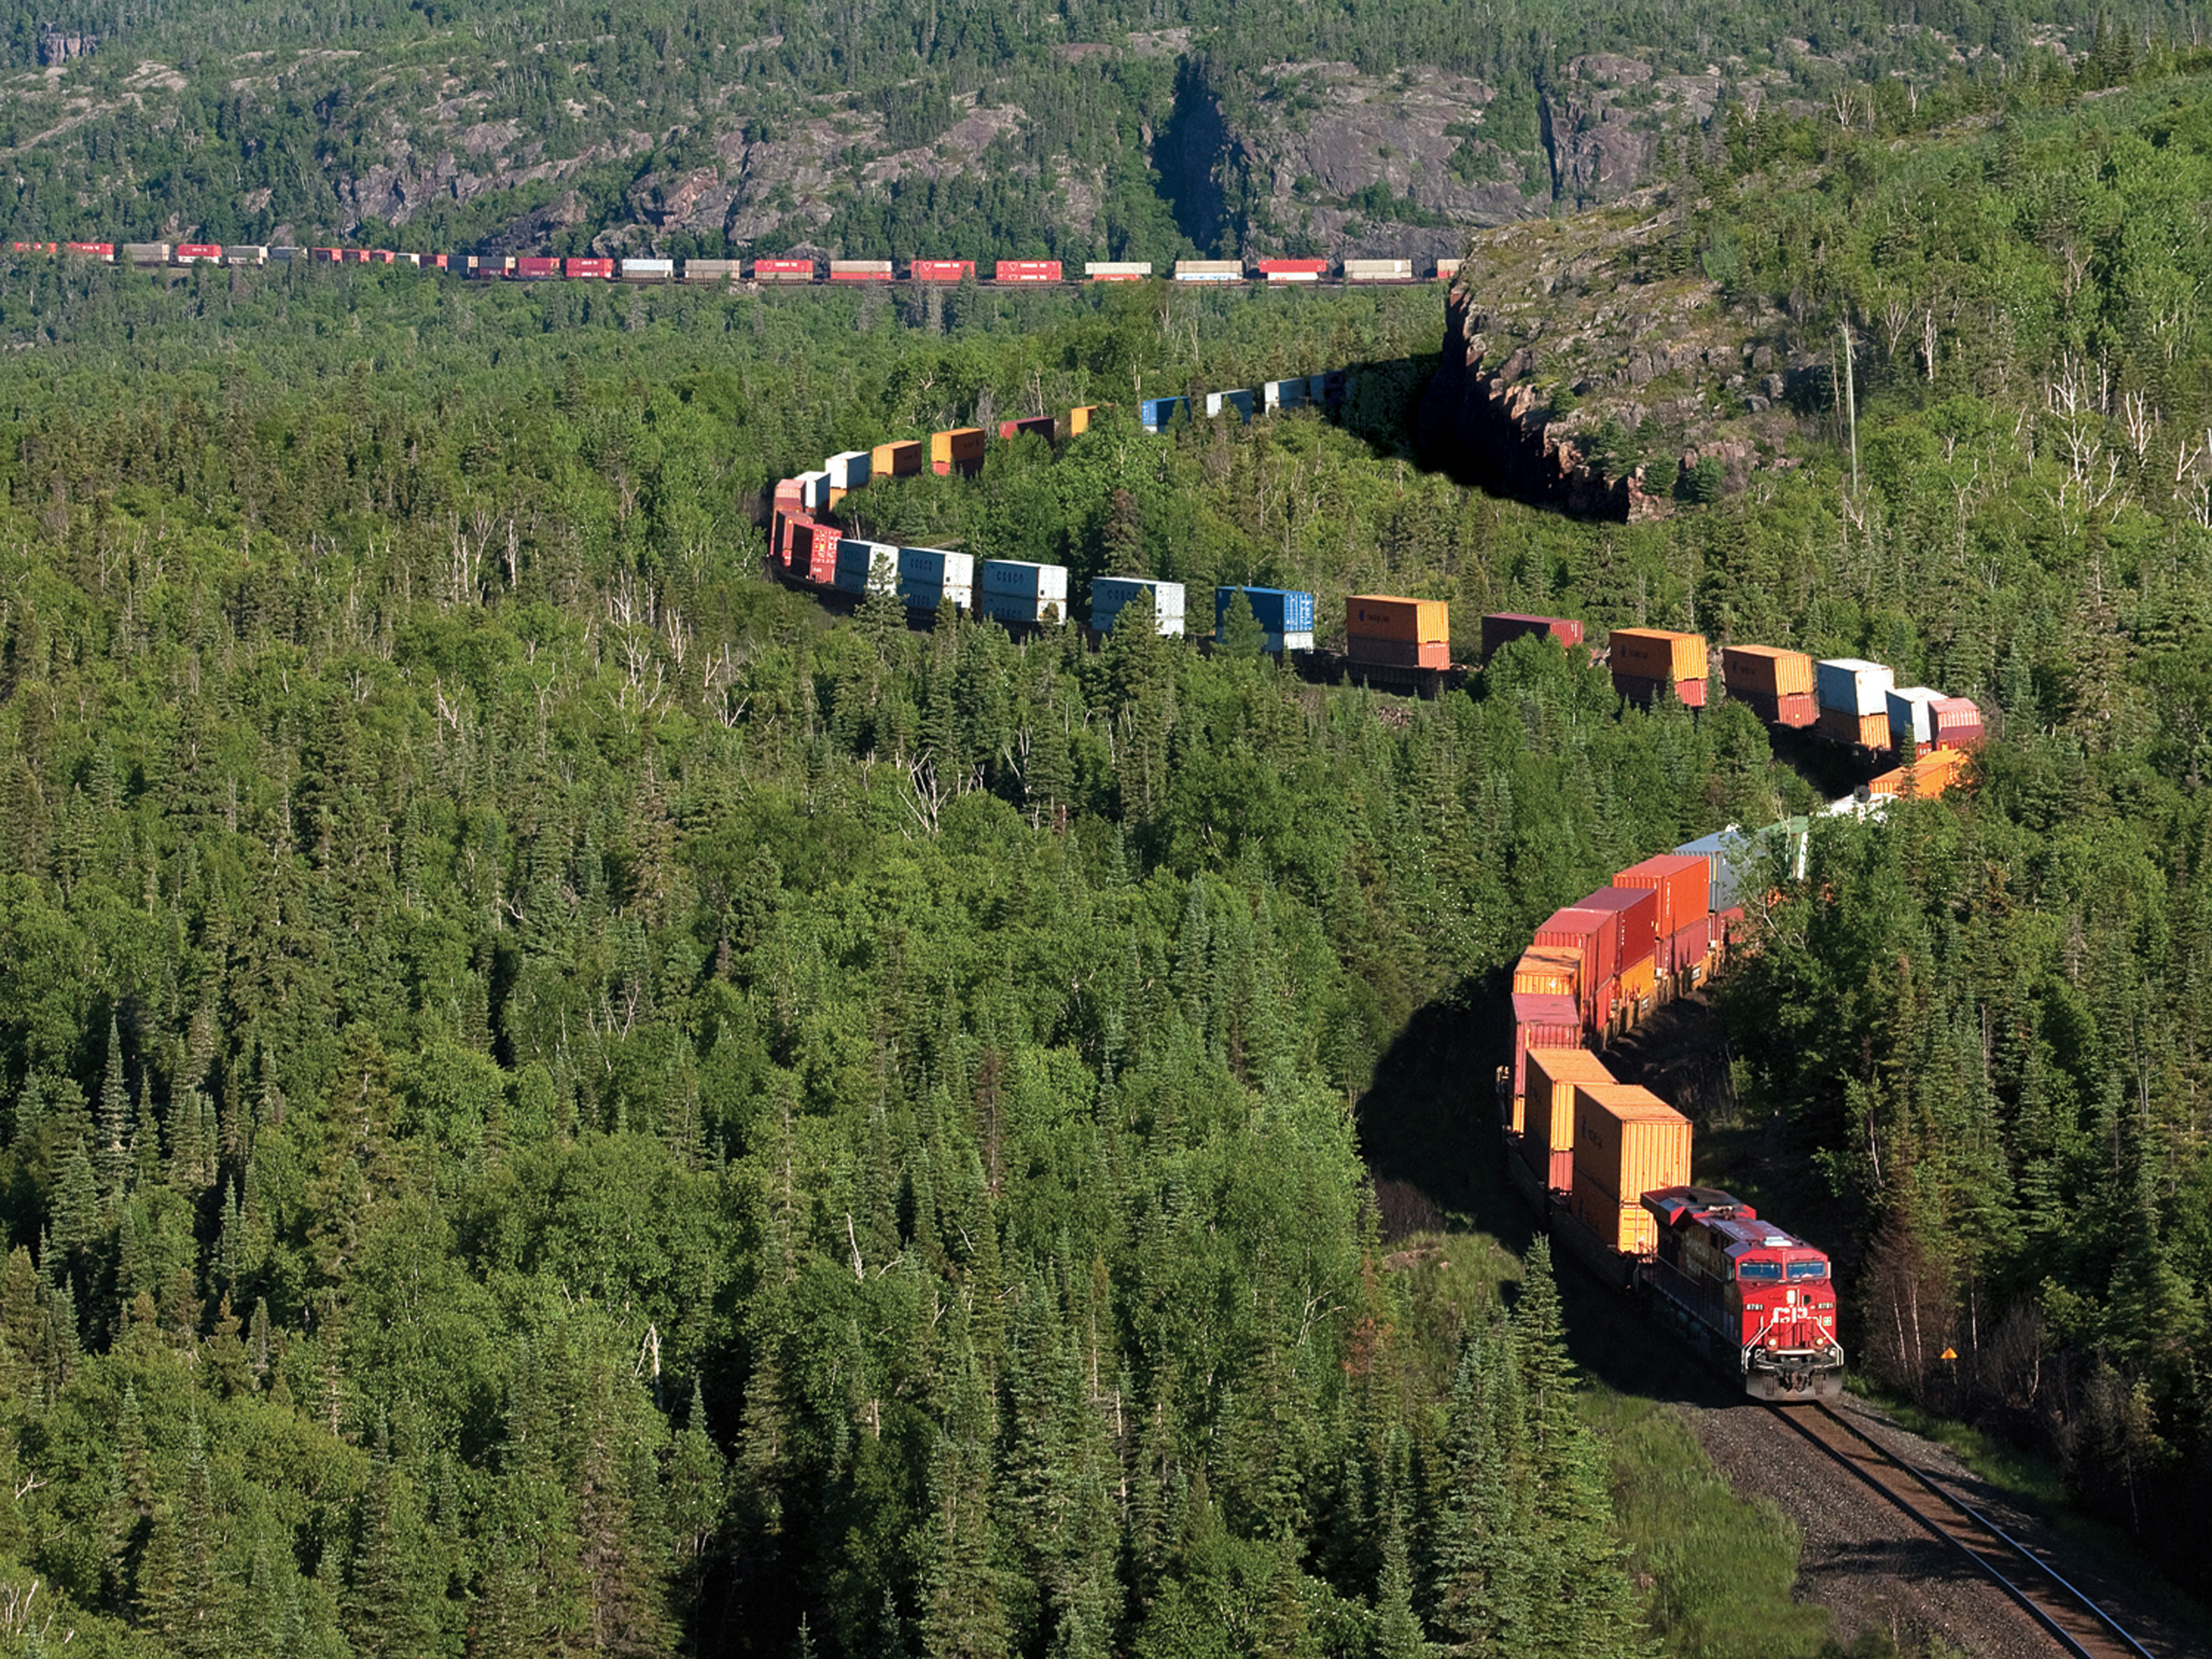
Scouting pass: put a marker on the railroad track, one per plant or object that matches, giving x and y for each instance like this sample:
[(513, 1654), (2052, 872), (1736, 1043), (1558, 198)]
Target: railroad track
[(2078, 1624)]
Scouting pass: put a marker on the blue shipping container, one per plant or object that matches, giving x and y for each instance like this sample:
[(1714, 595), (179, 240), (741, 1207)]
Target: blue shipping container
[(1278, 610), (1157, 412)]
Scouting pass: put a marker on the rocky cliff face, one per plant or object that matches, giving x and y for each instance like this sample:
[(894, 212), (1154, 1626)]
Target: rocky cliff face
[(1575, 376)]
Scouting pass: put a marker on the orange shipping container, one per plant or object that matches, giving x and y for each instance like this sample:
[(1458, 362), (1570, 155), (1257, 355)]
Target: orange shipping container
[(1658, 653), (896, 460), (1079, 418), (1408, 622), (1867, 730), (1544, 970), (961, 449), (1628, 1228), (1767, 670), (1636, 981), (1628, 1142), (1547, 1143), (1936, 771), (1683, 882)]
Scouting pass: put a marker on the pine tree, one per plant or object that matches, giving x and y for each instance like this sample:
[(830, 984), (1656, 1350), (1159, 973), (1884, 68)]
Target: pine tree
[(1481, 1570), (387, 1604), (114, 1137), (698, 1490)]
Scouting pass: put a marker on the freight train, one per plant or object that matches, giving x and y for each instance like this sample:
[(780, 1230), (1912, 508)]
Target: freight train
[(798, 272)]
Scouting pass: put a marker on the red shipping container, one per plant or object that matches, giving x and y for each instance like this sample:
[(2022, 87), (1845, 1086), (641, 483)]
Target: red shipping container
[(1028, 270), (1691, 694), (578, 268), (356, 256), (1635, 911), (1397, 653), (1540, 1022), (1596, 934), (1958, 723), (438, 261), (190, 251), (1683, 882), (1502, 627), (1293, 270), (533, 268), (783, 270), (940, 271), (1040, 424), (1690, 944), (102, 250)]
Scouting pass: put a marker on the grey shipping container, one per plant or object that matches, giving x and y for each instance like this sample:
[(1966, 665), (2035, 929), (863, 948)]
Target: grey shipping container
[(648, 270), (709, 271), (146, 254)]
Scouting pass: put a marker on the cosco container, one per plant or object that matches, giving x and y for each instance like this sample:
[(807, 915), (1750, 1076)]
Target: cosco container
[(1039, 426), (1026, 271), (777, 270), (865, 567), (1277, 610), (1158, 413), (1118, 270), (1293, 270), (1958, 723), (1912, 717), (1765, 669), (1853, 686), (900, 459), (1012, 608), (1502, 626), (722, 271), (1019, 578), (648, 270), (1230, 403), (1109, 594), (1276, 395), (1683, 883), (1378, 271), (860, 270), (941, 271), (533, 268), (1209, 270), (245, 253), (849, 469), (1548, 1123), (959, 450)]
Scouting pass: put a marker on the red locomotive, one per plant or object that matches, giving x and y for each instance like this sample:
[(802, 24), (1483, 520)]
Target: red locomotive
[(1745, 1285)]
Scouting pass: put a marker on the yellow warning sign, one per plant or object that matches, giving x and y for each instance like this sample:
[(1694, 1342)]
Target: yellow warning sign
[(1950, 1353)]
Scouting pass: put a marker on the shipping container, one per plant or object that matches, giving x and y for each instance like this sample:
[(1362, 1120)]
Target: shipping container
[(356, 256), (1039, 426), (814, 551), (146, 254), (1541, 1022), (865, 567), (648, 270), (849, 469), (860, 270), (1278, 395), (1765, 669), (900, 459), (1647, 694), (245, 253), (959, 450), (534, 268), (1593, 935), (1230, 403), (1372, 653), (1862, 730), (774, 270), (1293, 270), (1797, 711), (1108, 594), (1387, 617), (1501, 626), (194, 253), (1958, 723), (1547, 1126), (936, 566), (1026, 271), (1637, 981), (1118, 270), (1549, 971), (1277, 610), (1012, 608), (1939, 770), (1690, 951), (1448, 269), (104, 251), (1635, 911), (1854, 686), (1209, 270), (436, 261), (1912, 717), (1079, 418), (724, 270), (814, 490), (1157, 414), (1019, 578), (1658, 653), (1331, 387), (1628, 1141), (1378, 271), (1683, 882), (941, 271)]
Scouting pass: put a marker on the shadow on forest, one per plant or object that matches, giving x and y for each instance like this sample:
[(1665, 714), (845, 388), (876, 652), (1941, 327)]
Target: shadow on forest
[(1428, 1131)]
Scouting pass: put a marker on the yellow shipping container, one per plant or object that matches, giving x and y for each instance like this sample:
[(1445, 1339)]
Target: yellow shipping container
[(1627, 1141), (1386, 616), (1554, 1076), (837, 495), (1767, 669), (1658, 653), (961, 443), (1545, 971), (1079, 419), (1628, 1228), (1638, 978), (902, 459)]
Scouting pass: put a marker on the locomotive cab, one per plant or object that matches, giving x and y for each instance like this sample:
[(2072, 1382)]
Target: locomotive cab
[(1751, 1287)]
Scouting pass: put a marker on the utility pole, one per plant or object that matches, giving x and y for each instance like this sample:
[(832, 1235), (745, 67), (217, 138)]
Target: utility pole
[(1850, 404)]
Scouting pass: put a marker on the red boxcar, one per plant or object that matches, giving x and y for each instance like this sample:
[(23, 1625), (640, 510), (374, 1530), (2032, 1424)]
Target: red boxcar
[(940, 271), (1040, 424), (533, 268), (188, 252), (1027, 271), (783, 270), (585, 268)]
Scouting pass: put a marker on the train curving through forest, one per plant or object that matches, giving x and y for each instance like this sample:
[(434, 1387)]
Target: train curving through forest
[(1606, 1164)]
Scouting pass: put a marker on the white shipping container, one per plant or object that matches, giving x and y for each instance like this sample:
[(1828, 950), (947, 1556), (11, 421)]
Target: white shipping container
[(814, 490), (245, 253), (648, 270), (1283, 394), (1017, 608), (936, 596), (1448, 269), (848, 469), (933, 566), (1853, 686), (1912, 719), (1209, 270), (1109, 593), (865, 567), (1017, 579), (1378, 271), (866, 270), (709, 271), (1118, 268)]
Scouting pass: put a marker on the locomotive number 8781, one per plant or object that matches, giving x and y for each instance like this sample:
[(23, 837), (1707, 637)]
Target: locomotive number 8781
[(1746, 1285)]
